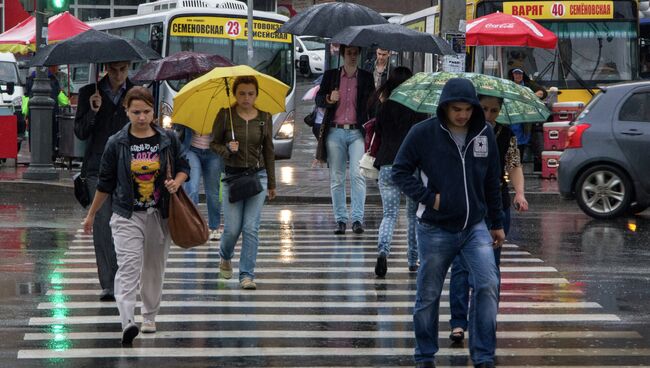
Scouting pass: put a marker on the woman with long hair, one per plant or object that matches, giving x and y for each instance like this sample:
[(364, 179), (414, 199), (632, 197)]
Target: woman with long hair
[(394, 121), (133, 171), (244, 138)]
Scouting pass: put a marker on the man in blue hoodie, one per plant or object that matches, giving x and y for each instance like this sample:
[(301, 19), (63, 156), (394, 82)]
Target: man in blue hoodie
[(458, 187)]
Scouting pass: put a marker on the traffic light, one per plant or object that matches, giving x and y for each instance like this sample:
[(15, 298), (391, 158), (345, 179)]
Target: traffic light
[(57, 6)]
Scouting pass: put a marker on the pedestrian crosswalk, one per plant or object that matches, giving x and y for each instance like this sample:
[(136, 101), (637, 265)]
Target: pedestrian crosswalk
[(318, 304)]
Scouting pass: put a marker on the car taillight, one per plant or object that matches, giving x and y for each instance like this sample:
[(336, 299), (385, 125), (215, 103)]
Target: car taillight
[(575, 135)]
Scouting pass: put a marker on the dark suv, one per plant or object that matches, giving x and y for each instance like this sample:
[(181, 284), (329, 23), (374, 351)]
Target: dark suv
[(606, 164)]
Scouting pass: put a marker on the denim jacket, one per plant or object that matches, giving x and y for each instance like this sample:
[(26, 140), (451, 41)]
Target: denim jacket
[(115, 170)]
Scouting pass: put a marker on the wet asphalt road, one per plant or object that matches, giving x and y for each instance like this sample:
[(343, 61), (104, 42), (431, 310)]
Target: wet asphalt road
[(602, 262)]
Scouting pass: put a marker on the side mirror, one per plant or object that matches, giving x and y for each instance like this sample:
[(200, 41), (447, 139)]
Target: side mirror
[(303, 65), (9, 89), (299, 49)]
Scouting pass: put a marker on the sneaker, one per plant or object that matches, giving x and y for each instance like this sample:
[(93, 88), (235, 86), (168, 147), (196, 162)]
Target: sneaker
[(107, 296), (148, 326), (247, 284), (215, 235), (413, 268), (129, 333), (382, 266), (225, 269), (357, 228)]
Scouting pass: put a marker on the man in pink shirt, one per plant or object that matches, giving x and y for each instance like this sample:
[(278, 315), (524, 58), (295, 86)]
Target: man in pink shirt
[(344, 92)]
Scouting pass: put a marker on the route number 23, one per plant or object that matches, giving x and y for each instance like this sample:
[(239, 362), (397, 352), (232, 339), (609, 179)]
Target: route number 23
[(233, 28)]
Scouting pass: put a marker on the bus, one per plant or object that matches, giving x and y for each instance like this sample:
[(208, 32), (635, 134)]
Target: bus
[(215, 27), (597, 44), (426, 20)]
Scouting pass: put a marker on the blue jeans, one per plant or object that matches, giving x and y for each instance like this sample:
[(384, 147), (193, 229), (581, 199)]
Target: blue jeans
[(243, 218), (459, 284), (206, 163), (437, 249), (390, 197), (345, 145)]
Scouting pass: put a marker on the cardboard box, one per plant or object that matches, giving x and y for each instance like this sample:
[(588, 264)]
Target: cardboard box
[(550, 163), (556, 135)]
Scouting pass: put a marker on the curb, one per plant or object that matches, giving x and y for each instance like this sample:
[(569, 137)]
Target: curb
[(36, 187)]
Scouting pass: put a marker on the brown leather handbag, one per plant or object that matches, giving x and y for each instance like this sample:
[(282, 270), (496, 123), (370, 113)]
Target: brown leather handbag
[(186, 225)]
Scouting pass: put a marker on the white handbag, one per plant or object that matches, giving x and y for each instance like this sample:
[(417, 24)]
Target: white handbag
[(366, 165)]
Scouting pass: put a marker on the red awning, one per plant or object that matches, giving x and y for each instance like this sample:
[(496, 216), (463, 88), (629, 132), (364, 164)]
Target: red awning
[(21, 39)]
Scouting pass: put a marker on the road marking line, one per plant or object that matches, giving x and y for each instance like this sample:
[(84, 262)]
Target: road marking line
[(318, 293), (318, 304), (302, 281), (341, 268), (288, 318), (294, 334), (308, 351)]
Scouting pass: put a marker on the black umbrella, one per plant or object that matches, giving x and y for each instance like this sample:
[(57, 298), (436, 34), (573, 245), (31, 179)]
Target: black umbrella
[(325, 20), (393, 37), (93, 47), (181, 65)]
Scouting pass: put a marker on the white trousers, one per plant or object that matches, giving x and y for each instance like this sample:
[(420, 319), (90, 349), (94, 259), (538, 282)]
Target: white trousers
[(141, 245)]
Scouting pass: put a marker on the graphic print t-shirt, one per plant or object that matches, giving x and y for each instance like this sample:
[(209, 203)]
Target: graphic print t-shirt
[(145, 168)]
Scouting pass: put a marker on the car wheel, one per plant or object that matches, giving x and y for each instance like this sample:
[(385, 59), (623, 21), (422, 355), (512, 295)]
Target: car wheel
[(603, 192)]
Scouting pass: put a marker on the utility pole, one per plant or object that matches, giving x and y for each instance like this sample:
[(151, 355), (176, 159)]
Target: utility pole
[(251, 52), (41, 107)]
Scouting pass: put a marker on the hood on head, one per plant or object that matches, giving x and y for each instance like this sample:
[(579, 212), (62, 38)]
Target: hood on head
[(460, 90)]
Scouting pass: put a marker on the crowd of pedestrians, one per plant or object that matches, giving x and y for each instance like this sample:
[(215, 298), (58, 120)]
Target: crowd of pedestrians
[(451, 167)]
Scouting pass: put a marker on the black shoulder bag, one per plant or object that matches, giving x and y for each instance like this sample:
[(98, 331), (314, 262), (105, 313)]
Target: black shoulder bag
[(246, 184)]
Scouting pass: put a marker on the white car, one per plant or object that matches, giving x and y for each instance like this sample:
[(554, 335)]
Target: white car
[(312, 51)]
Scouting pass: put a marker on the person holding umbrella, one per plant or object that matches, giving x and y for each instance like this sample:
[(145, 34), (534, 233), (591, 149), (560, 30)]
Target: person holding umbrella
[(511, 166), (344, 92), (457, 188), (243, 136), (100, 114)]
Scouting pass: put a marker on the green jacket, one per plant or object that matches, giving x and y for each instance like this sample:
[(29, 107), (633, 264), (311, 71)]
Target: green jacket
[(61, 99), (255, 139)]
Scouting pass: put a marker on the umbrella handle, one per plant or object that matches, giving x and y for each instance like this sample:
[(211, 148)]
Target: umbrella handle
[(232, 128)]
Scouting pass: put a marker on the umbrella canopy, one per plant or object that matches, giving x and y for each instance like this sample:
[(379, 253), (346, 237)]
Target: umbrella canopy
[(393, 37), (520, 105), (325, 20), (499, 29), (21, 39), (196, 105), (181, 65), (93, 46)]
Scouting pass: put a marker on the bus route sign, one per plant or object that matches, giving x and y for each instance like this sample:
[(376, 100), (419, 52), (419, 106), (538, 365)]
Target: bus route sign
[(559, 10), (229, 28)]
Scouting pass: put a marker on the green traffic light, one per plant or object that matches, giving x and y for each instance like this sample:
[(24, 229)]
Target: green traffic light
[(58, 6)]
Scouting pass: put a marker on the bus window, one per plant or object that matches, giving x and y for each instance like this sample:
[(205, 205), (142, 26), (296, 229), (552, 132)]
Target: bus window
[(272, 58)]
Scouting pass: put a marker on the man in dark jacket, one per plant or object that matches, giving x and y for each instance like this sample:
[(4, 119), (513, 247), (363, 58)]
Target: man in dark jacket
[(100, 114), (344, 93), (459, 185)]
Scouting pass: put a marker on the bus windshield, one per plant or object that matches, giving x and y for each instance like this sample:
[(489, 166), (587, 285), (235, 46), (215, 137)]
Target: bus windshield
[(588, 53), (272, 58)]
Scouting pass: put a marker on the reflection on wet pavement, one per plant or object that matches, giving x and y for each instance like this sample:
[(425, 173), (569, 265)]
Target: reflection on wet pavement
[(573, 293)]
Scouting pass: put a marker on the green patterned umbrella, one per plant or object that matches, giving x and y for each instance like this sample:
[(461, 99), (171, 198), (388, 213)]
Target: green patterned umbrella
[(520, 105)]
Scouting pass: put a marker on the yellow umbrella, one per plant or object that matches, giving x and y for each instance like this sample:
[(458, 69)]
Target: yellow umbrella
[(196, 105)]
